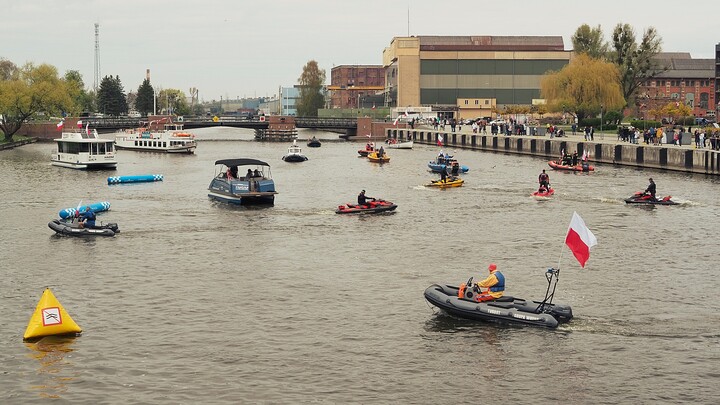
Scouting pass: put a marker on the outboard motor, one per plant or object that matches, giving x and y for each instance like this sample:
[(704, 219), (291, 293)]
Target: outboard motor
[(467, 291)]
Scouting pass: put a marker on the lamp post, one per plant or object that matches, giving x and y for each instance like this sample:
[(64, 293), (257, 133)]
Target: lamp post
[(601, 122)]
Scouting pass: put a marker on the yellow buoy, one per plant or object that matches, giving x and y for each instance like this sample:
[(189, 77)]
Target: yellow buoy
[(50, 318)]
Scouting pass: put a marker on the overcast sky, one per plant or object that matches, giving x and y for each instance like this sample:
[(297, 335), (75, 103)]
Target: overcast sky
[(237, 48)]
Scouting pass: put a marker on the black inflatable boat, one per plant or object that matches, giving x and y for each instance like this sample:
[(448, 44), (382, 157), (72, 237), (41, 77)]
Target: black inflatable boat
[(72, 229), (460, 302)]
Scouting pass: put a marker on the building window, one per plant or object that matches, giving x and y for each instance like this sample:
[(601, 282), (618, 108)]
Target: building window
[(691, 82), (487, 102), (652, 83), (477, 102), (704, 100)]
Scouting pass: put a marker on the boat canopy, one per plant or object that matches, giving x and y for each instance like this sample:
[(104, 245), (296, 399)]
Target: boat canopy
[(241, 162)]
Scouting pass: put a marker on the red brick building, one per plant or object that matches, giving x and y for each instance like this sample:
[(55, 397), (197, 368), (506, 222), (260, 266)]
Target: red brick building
[(355, 86), (687, 80)]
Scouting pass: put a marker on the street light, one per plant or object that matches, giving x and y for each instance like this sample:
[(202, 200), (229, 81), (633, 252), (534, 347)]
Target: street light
[(601, 121)]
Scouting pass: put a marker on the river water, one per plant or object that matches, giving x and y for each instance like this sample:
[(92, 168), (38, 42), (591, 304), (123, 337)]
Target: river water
[(195, 301)]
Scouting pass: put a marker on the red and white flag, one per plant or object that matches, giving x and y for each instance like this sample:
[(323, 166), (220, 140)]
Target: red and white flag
[(579, 239), (79, 124), (396, 120), (440, 140), (60, 124)]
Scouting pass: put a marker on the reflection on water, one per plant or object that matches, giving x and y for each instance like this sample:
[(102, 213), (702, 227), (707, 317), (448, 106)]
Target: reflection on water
[(54, 370)]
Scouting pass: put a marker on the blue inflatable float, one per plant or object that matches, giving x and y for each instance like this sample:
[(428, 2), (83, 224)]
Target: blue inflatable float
[(97, 207), (140, 178)]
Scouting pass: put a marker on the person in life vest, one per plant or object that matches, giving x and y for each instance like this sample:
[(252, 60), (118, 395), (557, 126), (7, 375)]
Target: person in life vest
[(544, 180), (542, 189), (494, 283), (87, 219)]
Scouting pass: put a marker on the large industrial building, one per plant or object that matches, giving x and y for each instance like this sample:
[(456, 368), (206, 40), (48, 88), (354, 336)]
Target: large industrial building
[(458, 75)]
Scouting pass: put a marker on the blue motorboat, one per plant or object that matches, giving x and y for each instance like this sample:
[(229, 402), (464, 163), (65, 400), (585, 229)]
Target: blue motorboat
[(254, 186), (446, 162)]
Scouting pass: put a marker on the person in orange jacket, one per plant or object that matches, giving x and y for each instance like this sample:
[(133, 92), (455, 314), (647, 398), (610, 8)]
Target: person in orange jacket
[(494, 283)]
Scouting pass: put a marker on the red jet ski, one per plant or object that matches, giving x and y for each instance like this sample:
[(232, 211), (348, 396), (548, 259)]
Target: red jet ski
[(641, 198), (547, 193), (371, 207)]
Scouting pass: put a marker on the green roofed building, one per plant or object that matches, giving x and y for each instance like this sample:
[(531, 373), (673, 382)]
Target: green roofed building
[(449, 72)]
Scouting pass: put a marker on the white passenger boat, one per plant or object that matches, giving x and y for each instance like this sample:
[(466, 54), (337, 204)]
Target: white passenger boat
[(171, 138), (84, 149)]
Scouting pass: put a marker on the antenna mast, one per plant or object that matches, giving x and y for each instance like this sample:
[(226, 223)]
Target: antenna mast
[(96, 82)]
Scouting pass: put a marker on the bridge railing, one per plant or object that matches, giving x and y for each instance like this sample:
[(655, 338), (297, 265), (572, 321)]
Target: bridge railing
[(316, 122)]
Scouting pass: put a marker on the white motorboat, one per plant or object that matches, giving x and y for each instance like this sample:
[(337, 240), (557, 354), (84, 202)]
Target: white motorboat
[(294, 154), (84, 149), (394, 144)]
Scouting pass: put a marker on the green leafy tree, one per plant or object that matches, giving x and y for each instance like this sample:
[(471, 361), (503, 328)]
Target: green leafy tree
[(173, 102), (311, 83), (590, 41), (584, 86), (111, 96), (84, 101), (28, 91), (145, 98), (635, 61)]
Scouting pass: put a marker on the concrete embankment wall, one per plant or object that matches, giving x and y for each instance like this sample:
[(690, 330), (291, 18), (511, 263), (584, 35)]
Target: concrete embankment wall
[(646, 156)]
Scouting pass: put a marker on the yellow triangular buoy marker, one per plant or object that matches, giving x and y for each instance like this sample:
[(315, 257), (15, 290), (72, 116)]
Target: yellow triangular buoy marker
[(50, 318)]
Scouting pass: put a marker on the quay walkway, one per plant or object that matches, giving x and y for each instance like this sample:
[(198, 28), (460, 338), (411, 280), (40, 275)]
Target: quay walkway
[(605, 148)]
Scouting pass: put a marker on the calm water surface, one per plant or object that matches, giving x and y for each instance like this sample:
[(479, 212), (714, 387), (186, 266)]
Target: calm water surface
[(195, 301)]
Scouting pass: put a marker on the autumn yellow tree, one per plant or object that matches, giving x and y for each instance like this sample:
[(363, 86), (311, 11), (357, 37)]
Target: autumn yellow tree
[(583, 87), (671, 111), (29, 90)]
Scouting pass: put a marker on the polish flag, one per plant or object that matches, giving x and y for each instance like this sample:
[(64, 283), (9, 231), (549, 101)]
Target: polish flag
[(79, 124), (60, 124), (396, 120), (440, 140), (579, 239)]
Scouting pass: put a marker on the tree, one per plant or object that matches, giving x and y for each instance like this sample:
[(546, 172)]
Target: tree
[(144, 102), (672, 111), (28, 91), (584, 86), (590, 41), (311, 82), (84, 101), (111, 96), (172, 101), (635, 62), (7, 69)]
